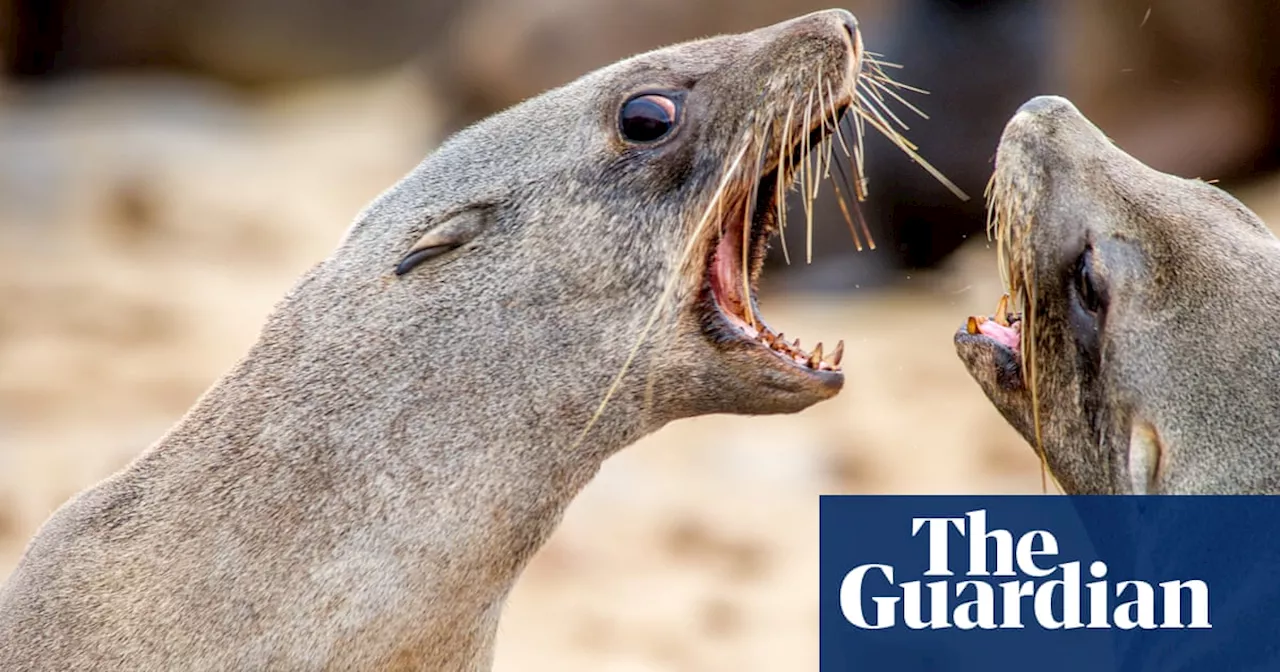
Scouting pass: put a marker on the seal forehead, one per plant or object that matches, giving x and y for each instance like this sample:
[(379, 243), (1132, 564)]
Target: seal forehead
[(1061, 184)]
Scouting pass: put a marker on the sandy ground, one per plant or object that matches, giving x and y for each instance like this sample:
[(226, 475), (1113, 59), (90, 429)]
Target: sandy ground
[(146, 232)]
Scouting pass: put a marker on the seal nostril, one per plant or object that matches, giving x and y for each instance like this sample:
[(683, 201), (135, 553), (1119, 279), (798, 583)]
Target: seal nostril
[(850, 23)]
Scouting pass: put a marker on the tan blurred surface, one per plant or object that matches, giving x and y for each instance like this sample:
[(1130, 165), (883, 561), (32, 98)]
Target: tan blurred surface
[(164, 245)]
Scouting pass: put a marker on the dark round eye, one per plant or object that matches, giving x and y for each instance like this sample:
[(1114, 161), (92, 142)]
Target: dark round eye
[(647, 118), (1087, 285)]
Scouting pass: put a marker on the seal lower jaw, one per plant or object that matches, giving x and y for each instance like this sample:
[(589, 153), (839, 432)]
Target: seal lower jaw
[(991, 348)]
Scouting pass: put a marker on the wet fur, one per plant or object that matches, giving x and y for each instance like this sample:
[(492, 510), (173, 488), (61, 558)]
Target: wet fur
[(362, 490), (1177, 390)]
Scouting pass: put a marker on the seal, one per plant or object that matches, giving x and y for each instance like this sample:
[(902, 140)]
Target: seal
[(362, 490), (1141, 357)]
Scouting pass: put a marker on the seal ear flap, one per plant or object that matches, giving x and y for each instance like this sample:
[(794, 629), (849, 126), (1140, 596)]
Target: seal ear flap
[(448, 234), (1146, 451)]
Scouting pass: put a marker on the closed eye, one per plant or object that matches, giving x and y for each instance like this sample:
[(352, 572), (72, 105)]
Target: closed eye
[(1088, 305), (1089, 290)]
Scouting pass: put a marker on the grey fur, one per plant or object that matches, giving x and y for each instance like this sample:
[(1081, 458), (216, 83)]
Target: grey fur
[(1182, 392), (364, 487)]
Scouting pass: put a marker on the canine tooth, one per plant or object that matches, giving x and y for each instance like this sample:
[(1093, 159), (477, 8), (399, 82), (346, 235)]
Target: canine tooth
[(1002, 311), (816, 357), (838, 354), (972, 325)]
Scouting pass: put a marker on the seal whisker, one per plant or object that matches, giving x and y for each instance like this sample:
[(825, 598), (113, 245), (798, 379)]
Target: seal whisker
[(828, 151), (784, 160), (844, 210), (805, 177), (869, 58), (748, 216), (838, 122), (879, 76), (877, 85), (903, 144), (875, 68), (859, 193), (859, 155), (826, 111), (874, 114), (875, 99), (820, 113)]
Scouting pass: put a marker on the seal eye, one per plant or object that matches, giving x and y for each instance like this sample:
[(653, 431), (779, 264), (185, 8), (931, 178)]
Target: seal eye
[(647, 118), (1087, 286)]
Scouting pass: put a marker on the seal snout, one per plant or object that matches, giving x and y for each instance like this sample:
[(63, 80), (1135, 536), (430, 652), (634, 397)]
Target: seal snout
[(831, 25), (1051, 129), (1047, 106), (848, 21), (1040, 118)]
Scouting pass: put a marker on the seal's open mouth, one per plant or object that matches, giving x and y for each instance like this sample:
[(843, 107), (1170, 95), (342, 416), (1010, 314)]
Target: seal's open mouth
[(1003, 327), (730, 309), (1001, 333)]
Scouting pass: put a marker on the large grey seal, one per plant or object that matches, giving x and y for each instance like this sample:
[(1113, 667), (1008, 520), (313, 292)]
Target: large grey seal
[(364, 487), (1145, 359)]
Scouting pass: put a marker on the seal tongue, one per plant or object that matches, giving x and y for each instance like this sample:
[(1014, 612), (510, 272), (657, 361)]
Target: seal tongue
[(725, 275), (1003, 328), (1007, 336)]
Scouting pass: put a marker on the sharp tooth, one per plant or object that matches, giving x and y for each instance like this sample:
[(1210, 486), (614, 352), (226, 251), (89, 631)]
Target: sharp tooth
[(972, 325), (815, 357), (1002, 311), (838, 354)]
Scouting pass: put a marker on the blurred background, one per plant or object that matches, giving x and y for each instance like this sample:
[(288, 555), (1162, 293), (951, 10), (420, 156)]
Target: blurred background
[(167, 170)]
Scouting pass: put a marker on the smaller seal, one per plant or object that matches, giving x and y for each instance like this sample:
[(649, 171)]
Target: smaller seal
[(1143, 358)]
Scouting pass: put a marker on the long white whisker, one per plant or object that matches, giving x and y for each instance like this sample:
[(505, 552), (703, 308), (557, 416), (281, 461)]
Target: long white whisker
[(784, 161), (910, 151), (805, 171), (898, 98), (882, 64), (879, 104)]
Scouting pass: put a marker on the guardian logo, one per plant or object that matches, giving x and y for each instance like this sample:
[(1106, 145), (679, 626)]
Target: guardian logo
[(1026, 577), (1052, 584)]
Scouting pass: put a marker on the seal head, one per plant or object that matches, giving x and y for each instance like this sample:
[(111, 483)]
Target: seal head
[(630, 209), (1143, 356)]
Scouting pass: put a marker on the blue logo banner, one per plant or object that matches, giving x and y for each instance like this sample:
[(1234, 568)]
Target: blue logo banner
[(1095, 583)]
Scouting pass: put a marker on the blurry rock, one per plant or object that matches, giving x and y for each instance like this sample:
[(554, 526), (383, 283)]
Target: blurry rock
[(250, 42), (1189, 87)]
